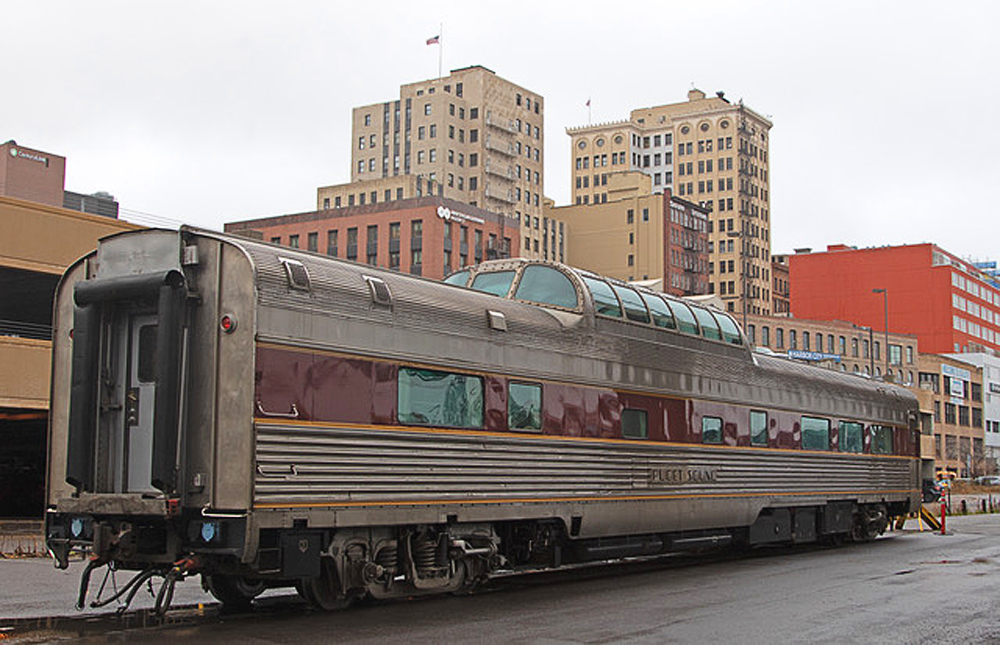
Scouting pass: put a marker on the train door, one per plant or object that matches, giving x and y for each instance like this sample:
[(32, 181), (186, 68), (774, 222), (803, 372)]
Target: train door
[(125, 399), (140, 394)]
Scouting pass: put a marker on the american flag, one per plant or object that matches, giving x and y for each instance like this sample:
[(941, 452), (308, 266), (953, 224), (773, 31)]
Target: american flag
[(436, 40)]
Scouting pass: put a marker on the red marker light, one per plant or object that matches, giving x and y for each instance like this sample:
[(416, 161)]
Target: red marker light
[(228, 323)]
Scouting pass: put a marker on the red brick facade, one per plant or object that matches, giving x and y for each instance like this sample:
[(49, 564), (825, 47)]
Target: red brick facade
[(429, 236), (945, 301)]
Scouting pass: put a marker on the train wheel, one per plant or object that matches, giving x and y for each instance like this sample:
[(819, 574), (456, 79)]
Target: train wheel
[(323, 591), (234, 592)]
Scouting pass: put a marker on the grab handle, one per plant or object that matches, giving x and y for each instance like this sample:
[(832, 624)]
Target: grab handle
[(294, 414)]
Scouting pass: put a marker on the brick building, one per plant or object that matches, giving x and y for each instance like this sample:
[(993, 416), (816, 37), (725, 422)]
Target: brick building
[(639, 235), (429, 236), (949, 304), (952, 391)]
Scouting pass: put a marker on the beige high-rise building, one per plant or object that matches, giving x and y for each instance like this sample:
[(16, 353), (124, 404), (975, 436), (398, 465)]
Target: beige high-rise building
[(637, 235), (708, 151), (470, 136)]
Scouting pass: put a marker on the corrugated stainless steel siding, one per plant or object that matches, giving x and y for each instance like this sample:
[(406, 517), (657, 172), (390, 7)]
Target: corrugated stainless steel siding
[(303, 465)]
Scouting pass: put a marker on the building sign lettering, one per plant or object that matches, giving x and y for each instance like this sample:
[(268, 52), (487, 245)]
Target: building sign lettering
[(30, 156), (448, 215), (813, 356)]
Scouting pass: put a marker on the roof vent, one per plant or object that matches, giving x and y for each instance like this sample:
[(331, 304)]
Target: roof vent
[(298, 276), (379, 291), (497, 320)]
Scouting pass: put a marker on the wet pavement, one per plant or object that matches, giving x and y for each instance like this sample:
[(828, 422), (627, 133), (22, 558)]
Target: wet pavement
[(907, 587)]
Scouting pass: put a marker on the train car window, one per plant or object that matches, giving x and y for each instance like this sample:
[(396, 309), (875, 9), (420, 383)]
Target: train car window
[(433, 398), (660, 311), (758, 428), (634, 308), (547, 286), (635, 423), (146, 369), (709, 326), (711, 430), (524, 406), (815, 433), (851, 437), (458, 278), (494, 282), (605, 301), (730, 331), (685, 319), (881, 440)]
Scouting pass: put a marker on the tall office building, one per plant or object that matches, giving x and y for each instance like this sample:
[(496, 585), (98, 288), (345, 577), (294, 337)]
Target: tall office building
[(708, 151), (949, 303), (470, 136)]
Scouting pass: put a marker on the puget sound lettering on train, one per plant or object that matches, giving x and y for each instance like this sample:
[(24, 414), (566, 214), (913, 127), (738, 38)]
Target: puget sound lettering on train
[(682, 475)]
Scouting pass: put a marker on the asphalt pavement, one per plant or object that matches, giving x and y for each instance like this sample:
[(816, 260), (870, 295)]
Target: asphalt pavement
[(906, 587)]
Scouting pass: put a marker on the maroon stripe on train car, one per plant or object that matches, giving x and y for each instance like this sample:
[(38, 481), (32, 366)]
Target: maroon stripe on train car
[(336, 389)]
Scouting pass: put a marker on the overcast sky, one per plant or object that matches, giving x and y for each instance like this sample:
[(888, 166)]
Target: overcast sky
[(206, 112)]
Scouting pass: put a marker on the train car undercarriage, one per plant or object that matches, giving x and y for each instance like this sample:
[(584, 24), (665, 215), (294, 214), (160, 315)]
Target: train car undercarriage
[(333, 568)]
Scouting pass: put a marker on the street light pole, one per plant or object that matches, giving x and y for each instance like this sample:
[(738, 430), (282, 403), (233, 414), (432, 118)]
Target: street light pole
[(871, 351), (885, 313)]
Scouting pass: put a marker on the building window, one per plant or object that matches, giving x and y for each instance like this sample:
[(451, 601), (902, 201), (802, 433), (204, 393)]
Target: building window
[(293, 241), (949, 413)]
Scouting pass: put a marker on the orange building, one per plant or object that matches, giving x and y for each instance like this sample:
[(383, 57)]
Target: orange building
[(428, 236), (948, 303)]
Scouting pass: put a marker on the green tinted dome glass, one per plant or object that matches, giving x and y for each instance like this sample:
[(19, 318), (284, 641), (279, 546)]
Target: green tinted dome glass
[(495, 282), (685, 319), (605, 300), (459, 278), (730, 331), (660, 311), (634, 307), (546, 285), (709, 327)]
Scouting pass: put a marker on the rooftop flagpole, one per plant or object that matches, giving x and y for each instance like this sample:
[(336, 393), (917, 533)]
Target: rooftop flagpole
[(440, 48), (436, 40)]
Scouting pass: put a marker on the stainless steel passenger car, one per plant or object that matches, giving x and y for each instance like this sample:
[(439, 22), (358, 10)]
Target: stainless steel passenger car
[(268, 417)]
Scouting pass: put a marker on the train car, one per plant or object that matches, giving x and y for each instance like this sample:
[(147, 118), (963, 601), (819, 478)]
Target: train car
[(266, 416)]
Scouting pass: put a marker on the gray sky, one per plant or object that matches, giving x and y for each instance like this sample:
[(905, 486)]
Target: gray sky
[(207, 112)]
